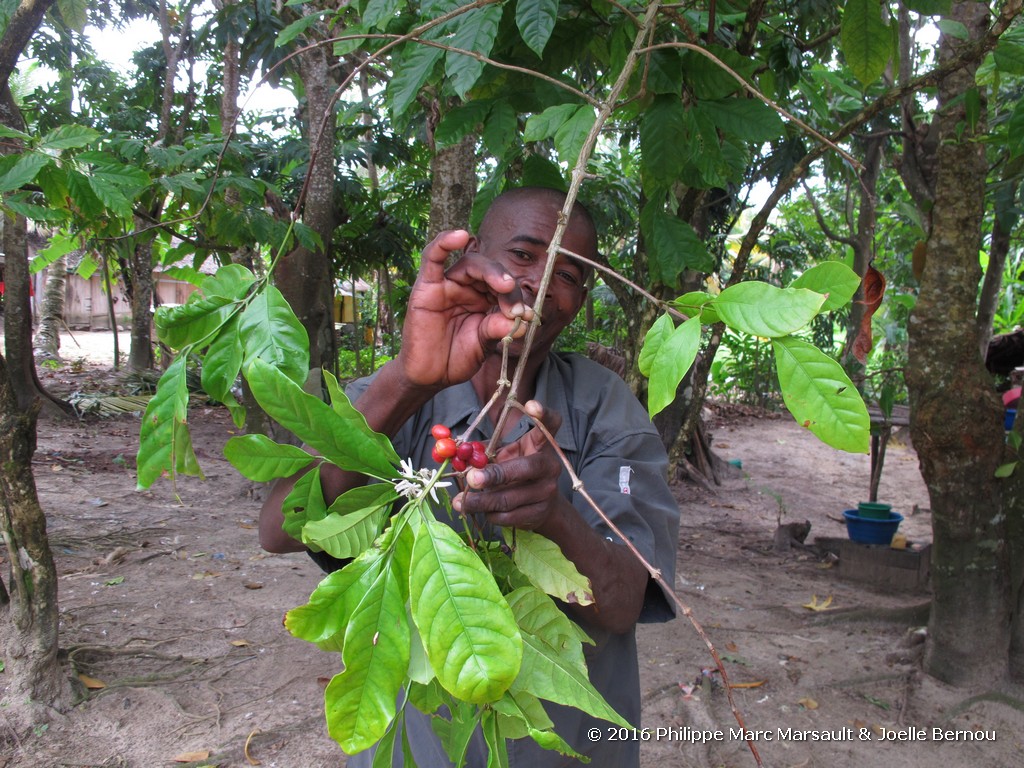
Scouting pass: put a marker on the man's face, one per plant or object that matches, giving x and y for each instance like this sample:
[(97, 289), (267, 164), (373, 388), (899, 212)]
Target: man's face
[(516, 235)]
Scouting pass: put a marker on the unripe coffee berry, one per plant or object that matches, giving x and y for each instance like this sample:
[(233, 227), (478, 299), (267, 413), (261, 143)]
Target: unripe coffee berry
[(439, 431), (445, 448)]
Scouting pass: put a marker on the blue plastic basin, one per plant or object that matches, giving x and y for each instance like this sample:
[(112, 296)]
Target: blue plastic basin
[(867, 530)]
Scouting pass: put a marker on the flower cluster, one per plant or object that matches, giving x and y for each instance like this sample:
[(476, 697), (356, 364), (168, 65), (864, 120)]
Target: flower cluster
[(415, 482)]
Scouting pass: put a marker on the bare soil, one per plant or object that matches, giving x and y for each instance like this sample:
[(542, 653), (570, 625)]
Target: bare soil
[(171, 615)]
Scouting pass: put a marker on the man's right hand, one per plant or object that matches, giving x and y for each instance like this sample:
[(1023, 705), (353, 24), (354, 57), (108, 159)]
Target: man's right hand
[(455, 318)]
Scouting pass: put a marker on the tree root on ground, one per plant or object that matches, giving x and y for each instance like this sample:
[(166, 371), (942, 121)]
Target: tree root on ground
[(996, 697), (911, 615)]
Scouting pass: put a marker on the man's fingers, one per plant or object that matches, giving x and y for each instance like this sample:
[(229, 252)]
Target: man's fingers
[(437, 252)]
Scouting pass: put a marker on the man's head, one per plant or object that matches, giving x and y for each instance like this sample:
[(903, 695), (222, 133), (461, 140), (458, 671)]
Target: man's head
[(516, 233)]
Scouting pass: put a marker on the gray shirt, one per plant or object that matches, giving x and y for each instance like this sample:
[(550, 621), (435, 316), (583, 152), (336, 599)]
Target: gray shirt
[(616, 451)]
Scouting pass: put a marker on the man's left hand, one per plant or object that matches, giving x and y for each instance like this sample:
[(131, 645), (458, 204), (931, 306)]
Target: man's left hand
[(520, 488)]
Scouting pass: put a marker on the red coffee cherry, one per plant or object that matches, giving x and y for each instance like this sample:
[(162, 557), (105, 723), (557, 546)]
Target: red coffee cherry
[(478, 460), (445, 448), (478, 447), (459, 465), (439, 431), (464, 451), (436, 456)]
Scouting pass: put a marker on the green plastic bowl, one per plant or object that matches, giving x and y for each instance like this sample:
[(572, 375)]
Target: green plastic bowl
[(874, 510)]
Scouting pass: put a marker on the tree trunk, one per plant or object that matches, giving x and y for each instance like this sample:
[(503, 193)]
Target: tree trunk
[(47, 341), (28, 606), (956, 417), (453, 186), (304, 276), (140, 276), (1004, 221)]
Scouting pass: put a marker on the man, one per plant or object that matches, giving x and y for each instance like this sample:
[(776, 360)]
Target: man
[(448, 367)]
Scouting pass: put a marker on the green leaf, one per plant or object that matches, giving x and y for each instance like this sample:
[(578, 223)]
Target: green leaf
[(930, 7), (74, 13), (500, 128), (68, 137), (297, 28), (352, 522), (536, 21), (545, 674), (304, 503), (953, 28), (361, 702), (543, 563), (338, 432), (410, 75), (866, 40), (663, 146), (833, 279), (672, 245), (7, 132), (761, 309), (1009, 58), (665, 73), (497, 749), (455, 731), (468, 630), (271, 332), (821, 396), (546, 124), (748, 119), (538, 171), (259, 458), (221, 366), (460, 121), (671, 361), (378, 13), (163, 446), (476, 32), (82, 196), (569, 138), (656, 336), (194, 322), (232, 281), (21, 169), (111, 196), (1006, 470), (324, 618), (537, 615)]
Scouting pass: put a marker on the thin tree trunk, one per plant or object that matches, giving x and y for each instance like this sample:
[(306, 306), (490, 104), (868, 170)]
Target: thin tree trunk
[(28, 611), (956, 417), (47, 341), (453, 186), (140, 354), (305, 276)]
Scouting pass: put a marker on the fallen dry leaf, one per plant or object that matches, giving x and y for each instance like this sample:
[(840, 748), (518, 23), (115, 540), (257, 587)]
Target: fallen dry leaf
[(249, 758), (191, 757), (808, 703), (253, 585), (92, 683), (754, 684), (731, 647), (240, 643), (814, 605)]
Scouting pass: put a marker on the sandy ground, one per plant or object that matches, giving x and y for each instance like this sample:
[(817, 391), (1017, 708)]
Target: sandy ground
[(171, 617)]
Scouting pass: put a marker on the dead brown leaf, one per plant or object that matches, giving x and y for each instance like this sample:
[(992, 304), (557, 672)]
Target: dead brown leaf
[(191, 757), (249, 758), (92, 683)]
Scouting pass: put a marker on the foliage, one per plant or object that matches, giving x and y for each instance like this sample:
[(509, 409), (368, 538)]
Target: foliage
[(814, 387), (481, 635)]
